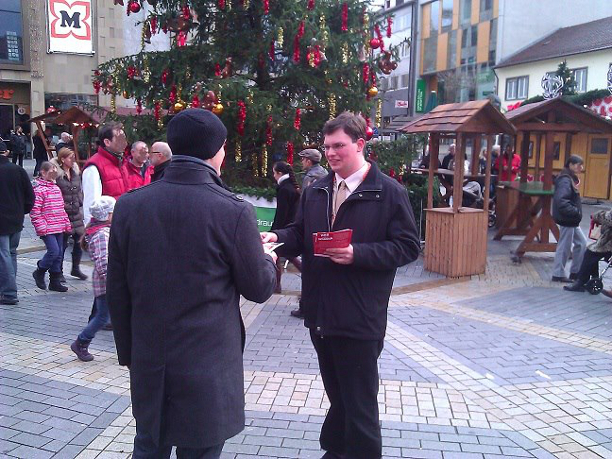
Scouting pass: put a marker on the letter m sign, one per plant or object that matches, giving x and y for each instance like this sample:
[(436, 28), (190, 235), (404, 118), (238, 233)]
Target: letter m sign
[(69, 26)]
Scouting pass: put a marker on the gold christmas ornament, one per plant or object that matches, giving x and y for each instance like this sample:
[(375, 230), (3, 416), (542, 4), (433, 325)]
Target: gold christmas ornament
[(113, 103), (179, 106), (378, 118), (279, 37), (255, 164), (373, 91), (218, 109), (125, 95), (264, 160), (345, 53), (331, 102), (238, 154), (324, 33)]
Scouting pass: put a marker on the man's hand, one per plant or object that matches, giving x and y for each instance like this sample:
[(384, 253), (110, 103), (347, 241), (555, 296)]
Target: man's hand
[(341, 256), (268, 237), (268, 251)]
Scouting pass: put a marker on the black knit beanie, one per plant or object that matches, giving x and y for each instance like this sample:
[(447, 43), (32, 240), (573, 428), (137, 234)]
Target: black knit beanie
[(196, 132)]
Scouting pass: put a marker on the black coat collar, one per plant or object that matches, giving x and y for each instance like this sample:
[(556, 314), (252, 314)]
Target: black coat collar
[(190, 170), (372, 181)]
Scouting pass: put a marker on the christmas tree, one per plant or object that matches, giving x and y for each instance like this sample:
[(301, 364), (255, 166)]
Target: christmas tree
[(273, 70), (569, 82)]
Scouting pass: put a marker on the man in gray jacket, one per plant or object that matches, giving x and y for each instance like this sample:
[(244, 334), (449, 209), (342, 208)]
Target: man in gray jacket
[(310, 159)]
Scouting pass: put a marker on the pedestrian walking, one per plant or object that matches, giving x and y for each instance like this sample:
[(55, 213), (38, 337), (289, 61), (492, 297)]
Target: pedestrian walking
[(69, 182), (50, 222), (95, 241), (567, 213), (184, 345), (311, 159), (40, 152), (18, 146), (17, 200), (287, 200), (345, 294)]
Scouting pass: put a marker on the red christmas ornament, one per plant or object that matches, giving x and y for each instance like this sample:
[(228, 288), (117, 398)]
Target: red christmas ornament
[(131, 72), (153, 23), (369, 133), (172, 97), (241, 117), (181, 39), (290, 150), (217, 70), (269, 137), (379, 36), (296, 49), (311, 4), (157, 111), (96, 86), (271, 51), (300, 33), (317, 55), (392, 173), (221, 4), (366, 73), (164, 76), (266, 6), (195, 102), (297, 122), (373, 78), (134, 7), (374, 43), (389, 23), (138, 107), (186, 13), (345, 17)]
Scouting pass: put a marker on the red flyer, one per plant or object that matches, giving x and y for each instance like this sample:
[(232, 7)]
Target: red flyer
[(331, 240)]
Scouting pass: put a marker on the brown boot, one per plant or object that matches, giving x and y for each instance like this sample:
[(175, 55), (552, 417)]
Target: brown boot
[(607, 293)]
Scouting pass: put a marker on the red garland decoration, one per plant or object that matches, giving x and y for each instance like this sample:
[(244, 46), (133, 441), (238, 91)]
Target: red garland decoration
[(311, 4), (373, 75), (266, 5), (241, 117), (380, 37), (217, 70), (164, 76), (153, 23), (317, 55), (345, 17), (297, 122), (157, 111), (296, 49), (186, 12), (172, 97), (389, 23), (366, 73), (221, 4), (181, 39), (269, 131), (300, 33), (96, 86), (290, 150), (138, 107), (195, 102), (271, 52)]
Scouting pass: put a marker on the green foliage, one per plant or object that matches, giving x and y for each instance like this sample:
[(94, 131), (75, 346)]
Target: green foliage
[(266, 193), (582, 99), (569, 82), (397, 155)]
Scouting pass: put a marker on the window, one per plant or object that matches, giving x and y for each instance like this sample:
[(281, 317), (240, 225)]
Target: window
[(466, 12), (403, 21), (430, 54), (405, 80), (451, 54), (493, 41), (393, 82), (435, 17), (447, 15), (580, 75), (404, 49), (517, 88), (599, 146), (486, 10), (11, 32), (383, 83)]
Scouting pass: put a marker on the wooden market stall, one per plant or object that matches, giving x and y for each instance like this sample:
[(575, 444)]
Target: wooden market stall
[(456, 237), (74, 119), (543, 121)]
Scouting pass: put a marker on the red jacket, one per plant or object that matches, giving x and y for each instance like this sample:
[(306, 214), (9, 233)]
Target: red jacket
[(134, 175), (112, 174), (516, 165), (48, 214)]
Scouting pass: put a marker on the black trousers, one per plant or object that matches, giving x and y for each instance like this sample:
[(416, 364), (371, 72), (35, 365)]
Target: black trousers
[(145, 448), (349, 369), (590, 265)]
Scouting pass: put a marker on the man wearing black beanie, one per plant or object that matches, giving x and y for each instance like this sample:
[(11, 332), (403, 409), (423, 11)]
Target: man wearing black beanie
[(174, 296)]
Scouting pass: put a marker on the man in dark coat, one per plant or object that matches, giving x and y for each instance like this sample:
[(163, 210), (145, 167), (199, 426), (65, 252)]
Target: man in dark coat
[(346, 294), (567, 213), (16, 200), (160, 156), (173, 295)]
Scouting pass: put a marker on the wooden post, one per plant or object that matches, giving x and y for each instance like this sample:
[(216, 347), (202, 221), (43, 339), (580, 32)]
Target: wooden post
[(458, 176), (434, 151), (538, 150), (41, 133), (75, 144), (525, 156), (476, 144), (488, 173), (549, 152)]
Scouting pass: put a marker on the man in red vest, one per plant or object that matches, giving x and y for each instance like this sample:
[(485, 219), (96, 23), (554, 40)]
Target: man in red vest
[(108, 177), (137, 169)]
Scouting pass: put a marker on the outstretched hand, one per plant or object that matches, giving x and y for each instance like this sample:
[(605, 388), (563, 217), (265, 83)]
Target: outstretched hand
[(342, 256), (268, 237)]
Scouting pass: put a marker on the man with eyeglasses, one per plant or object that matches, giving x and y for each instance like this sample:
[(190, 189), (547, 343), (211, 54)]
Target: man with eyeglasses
[(160, 156), (103, 173), (345, 294)]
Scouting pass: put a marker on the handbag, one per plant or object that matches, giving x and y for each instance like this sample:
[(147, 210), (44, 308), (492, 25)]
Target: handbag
[(594, 230)]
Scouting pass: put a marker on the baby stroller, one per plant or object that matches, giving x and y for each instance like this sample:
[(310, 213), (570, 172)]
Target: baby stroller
[(595, 284)]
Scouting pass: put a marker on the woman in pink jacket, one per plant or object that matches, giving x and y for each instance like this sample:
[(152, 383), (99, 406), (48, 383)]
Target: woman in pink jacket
[(50, 222)]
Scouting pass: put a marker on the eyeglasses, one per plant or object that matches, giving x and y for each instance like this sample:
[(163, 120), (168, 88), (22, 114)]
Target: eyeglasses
[(335, 146)]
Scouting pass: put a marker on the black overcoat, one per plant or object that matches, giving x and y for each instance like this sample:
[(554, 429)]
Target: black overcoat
[(287, 199), (182, 250), (352, 300), (567, 206)]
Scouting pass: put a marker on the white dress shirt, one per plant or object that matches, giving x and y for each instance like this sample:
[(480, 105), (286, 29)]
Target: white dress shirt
[(353, 180), (92, 189)]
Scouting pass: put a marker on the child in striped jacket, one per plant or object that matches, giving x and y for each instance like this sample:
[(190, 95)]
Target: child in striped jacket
[(50, 222)]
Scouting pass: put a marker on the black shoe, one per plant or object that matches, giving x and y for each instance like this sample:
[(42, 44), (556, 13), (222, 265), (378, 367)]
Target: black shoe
[(297, 313), (9, 301), (575, 287), (76, 272), (61, 277), (55, 284), (563, 279), (80, 349), (330, 455), (574, 276), (39, 278)]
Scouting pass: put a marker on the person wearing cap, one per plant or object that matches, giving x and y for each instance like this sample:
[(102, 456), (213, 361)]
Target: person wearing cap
[(17, 200), (95, 241), (160, 156), (310, 159), (174, 295)]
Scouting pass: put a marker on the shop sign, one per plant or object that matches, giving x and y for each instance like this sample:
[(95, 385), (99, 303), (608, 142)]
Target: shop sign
[(420, 96), (401, 104), (6, 94), (69, 26)]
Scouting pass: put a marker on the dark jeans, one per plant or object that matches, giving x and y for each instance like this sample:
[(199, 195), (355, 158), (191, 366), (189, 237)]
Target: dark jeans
[(590, 265), (52, 260), (349, 370), (17, 157), (77, 251), (8, 265), (98, 320), (39, 162), (145, 448)]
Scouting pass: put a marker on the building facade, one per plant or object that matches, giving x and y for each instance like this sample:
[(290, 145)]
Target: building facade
[(49, 50)]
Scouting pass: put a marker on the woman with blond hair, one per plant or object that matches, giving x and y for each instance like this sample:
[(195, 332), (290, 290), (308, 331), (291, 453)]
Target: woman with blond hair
[(69, 182)]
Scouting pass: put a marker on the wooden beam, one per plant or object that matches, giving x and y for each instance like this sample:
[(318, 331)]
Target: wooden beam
[(488, 174), (550, 151), (75, 134), (525, 156), (475, 163), (538, 150), (546, 127), (434, 152)]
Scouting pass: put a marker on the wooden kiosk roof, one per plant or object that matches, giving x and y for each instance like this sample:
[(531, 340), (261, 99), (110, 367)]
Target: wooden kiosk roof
[(568, 117), (70, 116), (477, 117)]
